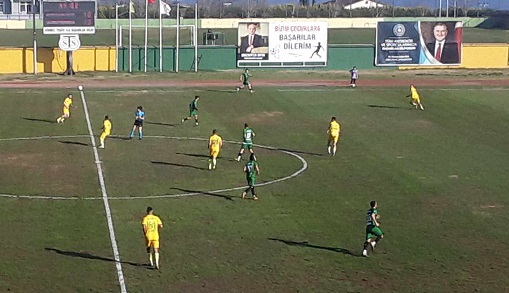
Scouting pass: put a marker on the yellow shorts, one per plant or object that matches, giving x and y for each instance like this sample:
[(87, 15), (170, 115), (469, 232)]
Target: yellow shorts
[(65, 112), (334, 138), (214, 153), (416, 100), (104, 134), (152, 243)]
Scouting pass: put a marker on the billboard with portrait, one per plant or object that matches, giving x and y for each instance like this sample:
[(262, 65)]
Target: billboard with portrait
[(282, 44), (418, 43)]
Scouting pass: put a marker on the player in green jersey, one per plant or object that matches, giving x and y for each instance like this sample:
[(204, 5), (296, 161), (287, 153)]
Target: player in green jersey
[(373, 232), (244, 78), (251, 169), (247, 141), (193, 111)]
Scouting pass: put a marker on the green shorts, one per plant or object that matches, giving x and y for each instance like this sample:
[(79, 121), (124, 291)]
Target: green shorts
[(251, 180), (373, 231), (247, 145), (193, 113)]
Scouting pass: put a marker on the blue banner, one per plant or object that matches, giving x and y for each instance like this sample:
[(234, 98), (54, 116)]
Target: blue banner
[(418, 43)]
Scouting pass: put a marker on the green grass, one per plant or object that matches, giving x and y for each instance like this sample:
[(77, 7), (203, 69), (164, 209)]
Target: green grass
[(440, 177), (105, 37)]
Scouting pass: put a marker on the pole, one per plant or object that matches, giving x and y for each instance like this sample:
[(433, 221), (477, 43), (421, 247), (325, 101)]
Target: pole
[(146, 36), (447, 8), (160, 37), (455, 8), (440, 8), (248, 9), (116, 37), (178, 39), (34, 35), (130, 37), (195, 33)]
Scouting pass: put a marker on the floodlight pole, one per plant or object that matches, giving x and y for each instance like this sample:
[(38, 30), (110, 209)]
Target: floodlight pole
[(116, 37), (178, 39), (195, 33), (34, 33)]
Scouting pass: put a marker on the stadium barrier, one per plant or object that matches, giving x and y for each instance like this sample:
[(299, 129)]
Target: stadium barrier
[(341, 57)]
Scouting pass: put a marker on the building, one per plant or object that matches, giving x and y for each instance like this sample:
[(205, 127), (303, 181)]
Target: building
[(356, 4), (16, 9)]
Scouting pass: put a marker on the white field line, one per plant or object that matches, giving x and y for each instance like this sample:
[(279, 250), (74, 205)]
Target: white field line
[(126, 197), (106, 203)]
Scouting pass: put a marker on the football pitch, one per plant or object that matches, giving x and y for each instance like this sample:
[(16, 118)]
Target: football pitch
[(72, 221)]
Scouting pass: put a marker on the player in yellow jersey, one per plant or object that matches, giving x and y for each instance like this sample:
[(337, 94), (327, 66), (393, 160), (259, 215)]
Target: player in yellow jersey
[(66, 109), (151, 225), (215, 145), (334, 132), (415, 98), (106, 130)]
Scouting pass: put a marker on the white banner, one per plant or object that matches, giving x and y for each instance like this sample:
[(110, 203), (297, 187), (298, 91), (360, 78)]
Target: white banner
[(282, 44)]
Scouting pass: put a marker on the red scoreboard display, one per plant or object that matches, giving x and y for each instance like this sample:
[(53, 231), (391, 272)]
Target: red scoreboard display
[(69, 17)]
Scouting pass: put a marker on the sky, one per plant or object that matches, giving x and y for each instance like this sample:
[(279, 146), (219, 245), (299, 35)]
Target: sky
[(493, 4)]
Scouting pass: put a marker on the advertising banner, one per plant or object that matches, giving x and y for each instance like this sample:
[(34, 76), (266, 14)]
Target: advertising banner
[(418, 43), (283, 43)]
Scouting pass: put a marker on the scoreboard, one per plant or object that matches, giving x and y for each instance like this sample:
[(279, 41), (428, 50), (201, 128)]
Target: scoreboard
[(69, 17)]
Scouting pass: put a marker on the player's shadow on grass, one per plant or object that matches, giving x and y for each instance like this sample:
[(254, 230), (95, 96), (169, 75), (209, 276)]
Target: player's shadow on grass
[(39, 120), (161, 123), (307, 244), (227, 197), (178, 165), (73, 142), (87, 255), (386, 107), (300, 152), (194, 155)]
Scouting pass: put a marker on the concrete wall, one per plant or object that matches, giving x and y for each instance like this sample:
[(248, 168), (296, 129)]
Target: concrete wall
[(360, 22), (20, 60), (217, 23), (341, 57)]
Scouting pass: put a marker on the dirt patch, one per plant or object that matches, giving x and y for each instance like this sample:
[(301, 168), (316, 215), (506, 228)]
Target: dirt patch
[(263, 116)]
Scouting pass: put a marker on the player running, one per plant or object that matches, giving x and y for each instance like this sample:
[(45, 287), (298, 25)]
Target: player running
[(247, 141), (215, 145), (334, 132), (244, 78), (106, 130), (67, 104), (415, 98), (251, 169), (139, 118), (151, 225), (373, 232), (193, 111)]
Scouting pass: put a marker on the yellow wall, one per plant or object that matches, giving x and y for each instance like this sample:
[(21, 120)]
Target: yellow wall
[(485, 56), (12, 24), (477, 56), (50, 60)]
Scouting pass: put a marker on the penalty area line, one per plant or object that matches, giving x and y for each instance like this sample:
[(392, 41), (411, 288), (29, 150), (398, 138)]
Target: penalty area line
[(106, 203)]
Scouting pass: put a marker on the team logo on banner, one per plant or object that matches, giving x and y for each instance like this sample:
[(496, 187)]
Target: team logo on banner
[(399, 30)]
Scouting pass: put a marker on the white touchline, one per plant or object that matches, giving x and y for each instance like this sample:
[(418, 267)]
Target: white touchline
[(109, 219)]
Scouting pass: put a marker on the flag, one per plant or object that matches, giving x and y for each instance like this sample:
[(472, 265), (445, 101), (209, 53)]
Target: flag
[(164, 8), (131, 7)]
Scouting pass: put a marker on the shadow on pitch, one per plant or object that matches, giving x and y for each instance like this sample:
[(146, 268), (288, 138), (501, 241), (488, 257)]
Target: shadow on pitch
[(194, 155), (161, 123), (87, 255), (73, 142), (386, 107), (178, 165), (227, 197), (301, 152), (306, 244), (39, 120)]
